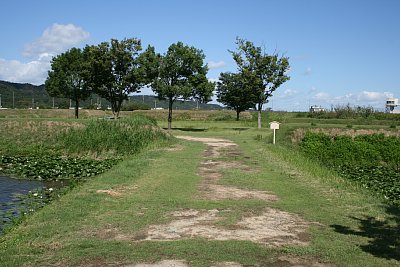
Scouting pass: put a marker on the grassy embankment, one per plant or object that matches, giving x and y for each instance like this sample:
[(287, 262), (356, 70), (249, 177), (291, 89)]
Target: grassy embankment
[(87, 228)]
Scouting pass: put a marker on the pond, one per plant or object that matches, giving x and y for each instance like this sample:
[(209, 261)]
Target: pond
[(10, 188)]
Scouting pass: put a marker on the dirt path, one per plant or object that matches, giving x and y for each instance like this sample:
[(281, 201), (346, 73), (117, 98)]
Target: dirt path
[(271, 227)]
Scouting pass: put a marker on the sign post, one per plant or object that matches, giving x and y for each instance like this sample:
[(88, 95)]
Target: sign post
[(274, 125)]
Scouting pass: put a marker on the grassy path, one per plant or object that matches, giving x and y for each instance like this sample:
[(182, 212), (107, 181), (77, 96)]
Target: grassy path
[(108, 221)]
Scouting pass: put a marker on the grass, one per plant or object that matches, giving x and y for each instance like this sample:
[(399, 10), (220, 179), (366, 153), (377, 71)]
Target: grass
[(352, 227)]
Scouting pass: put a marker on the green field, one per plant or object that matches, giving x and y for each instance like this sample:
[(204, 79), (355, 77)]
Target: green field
[(207, 203)]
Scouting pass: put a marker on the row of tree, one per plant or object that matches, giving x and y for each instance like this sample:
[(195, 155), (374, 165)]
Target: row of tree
[(116, 69)]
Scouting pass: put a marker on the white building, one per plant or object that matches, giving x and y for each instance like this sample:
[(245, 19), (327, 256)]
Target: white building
[(391, 104), (316, 109)]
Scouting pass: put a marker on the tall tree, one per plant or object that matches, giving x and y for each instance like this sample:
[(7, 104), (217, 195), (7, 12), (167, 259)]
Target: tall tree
[(233, 92), (68, 77), (182, 74), (118, 69), (263, 72)]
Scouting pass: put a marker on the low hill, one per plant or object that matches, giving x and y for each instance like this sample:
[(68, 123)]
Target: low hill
[(18, 95)]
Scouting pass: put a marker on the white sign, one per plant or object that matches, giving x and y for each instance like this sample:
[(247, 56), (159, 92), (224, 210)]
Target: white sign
[(274, 125)]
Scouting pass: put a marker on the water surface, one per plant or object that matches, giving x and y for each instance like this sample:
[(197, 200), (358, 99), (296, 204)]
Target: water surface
[(9, 187)]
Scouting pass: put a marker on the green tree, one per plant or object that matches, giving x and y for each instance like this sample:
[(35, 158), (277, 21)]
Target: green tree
[(182, 75), (233, 92), (68, 77), (118, 69), (263, 72)]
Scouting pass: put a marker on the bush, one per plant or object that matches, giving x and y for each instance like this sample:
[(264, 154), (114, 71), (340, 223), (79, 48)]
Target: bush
[(121, 137), (371, 160)]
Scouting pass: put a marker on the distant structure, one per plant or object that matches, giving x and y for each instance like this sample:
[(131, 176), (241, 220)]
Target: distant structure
[(316, 109), (391, 104)]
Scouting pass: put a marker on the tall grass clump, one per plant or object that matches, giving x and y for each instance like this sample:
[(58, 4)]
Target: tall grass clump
[(118, 137)]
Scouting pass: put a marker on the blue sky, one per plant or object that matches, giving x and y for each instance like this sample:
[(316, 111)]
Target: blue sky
[(340, 51)]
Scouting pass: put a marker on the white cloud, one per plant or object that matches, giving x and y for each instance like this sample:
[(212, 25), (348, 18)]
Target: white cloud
[(322, 96), (54, 40), (216, 65), (374, 96), (287, 93), (34, 72), (364, 98)]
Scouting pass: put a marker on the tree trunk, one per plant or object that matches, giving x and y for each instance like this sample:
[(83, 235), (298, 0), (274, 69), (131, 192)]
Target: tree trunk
[(76, 108), (118, 105), (237, 115), (259, 115), (170, 113)]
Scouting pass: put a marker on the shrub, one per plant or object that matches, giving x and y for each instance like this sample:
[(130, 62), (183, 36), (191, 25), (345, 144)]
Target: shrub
[(371, 160), (121, 137)]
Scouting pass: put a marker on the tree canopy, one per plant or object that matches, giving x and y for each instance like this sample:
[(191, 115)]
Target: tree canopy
[(118, 69), (182, 75), (263, 72), (233, 92), (69, 77)]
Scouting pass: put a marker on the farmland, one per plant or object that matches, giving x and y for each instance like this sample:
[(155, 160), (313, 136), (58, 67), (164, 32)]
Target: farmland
[(221, 176)]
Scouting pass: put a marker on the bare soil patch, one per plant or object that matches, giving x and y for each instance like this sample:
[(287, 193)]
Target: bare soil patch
[(284, 261), (164, 263), (118, 191), (181, 263), (272, 227)]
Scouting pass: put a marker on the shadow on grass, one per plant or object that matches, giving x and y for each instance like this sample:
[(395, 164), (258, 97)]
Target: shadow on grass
[(188, 129), (241, 129), (384, 234)]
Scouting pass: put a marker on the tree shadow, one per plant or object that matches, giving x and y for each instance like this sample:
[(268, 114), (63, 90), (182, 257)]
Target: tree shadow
[(384, 234), (188, 129), (240, 128)]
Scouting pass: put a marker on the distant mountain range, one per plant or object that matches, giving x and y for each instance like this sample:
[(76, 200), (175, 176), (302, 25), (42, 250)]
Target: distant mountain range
[(18, 95)]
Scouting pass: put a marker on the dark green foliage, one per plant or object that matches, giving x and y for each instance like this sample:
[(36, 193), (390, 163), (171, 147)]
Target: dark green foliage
[(52, 167), (262, 72), (232, 91), (118, 69), (371, 160), (69, 77), (182, 75)]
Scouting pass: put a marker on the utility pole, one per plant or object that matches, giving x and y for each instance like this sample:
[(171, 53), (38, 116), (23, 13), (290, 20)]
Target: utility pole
[(0, 100)]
